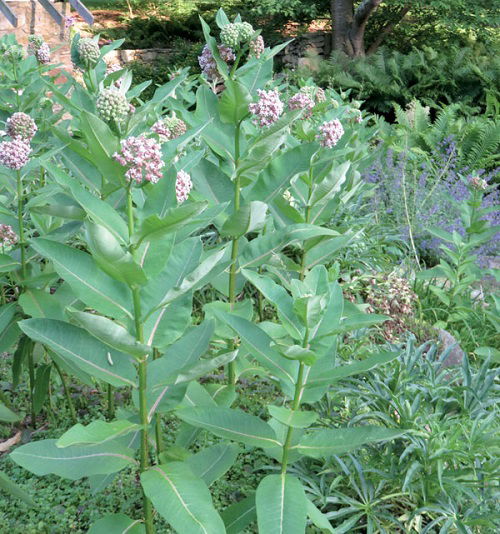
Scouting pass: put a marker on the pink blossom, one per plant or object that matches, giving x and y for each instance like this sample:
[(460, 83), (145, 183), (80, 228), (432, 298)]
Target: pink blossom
[(69, 21), (207, 61), (14, 154), (142, 156), (330, 133), (268, 109), (301, 100), (183, 186), (21, 125), (7, 235)]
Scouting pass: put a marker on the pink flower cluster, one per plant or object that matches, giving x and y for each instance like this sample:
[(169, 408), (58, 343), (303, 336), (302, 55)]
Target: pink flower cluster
[(183, 186), (14, 154), (7, 236), (301, 100), (330, 133), (256, 47), (268, 109), (142, 156), (207, 61), (21, 125)]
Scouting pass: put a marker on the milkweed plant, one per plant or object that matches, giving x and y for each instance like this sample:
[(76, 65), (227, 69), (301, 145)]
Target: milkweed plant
[(117, 212)]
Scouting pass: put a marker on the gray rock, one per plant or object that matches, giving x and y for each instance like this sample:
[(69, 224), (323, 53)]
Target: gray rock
[(456, 354)]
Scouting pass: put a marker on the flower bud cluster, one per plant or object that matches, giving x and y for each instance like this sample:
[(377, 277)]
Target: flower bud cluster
[(142, 156), (169, 128), (88, 52), (235, 33), (268, 109), (330, 133), (14, 154), (8, 237), (207, 61), (13, 52), (317, 94), (183, 186), (112, 105), (256, 46), (21, 125), (39, 48)]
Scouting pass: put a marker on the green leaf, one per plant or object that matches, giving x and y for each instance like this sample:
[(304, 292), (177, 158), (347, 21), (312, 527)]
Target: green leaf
[(276, 176), (110, 333), (85, 351), (249, 218), (239, 515), (182, 499), (258, 343), (117, 524), (7, 312), (41, 389), (39, 304), (211, 463), (343, 371), (231, 424), (281, 505), (293, 418), (279, 297), (98, 210), (94, 287), (357, 321), (111, 258), (9, 486), (95, 433), (8, 264), (488, 352), (154, 227), (327, 442), (297, 352), (44, 458), (233, 104), (318, 518), (7, 415)]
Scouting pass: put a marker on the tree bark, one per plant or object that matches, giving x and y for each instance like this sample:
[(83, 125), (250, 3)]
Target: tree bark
[(349, 25)]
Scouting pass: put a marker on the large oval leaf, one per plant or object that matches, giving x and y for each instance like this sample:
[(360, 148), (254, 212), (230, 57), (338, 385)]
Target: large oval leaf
[(44, 458), (94, 287), (324, 443), (281, 505), (82, 349), (182, 499), (117, 524), (231, 424)]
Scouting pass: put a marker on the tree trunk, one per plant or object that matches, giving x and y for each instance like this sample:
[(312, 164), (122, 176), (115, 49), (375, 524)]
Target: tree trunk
[(349, 25)]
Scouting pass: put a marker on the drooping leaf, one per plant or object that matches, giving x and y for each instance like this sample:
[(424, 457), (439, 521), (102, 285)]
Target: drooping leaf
[(8, 264), (249, 218), (281, 505), (182, 499), (44, 458), (7, 415)]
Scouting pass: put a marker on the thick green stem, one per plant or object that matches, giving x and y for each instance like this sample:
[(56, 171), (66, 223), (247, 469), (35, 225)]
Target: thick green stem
[(143, 406), (158, 433), (22, 244), (303, 263), (67, 393), (31, 369), (297, 397), (111, 402), (231, 369)]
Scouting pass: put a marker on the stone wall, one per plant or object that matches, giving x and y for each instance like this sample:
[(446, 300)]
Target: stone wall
[(307, 50)]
